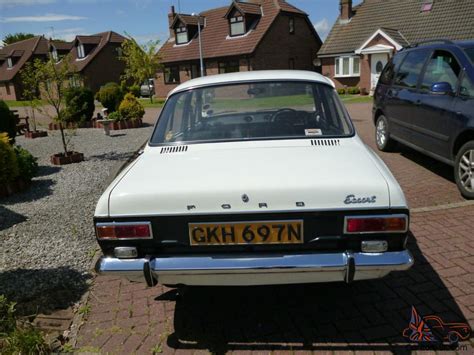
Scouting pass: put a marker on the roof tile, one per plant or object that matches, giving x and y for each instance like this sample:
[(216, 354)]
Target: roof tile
[(448, 19)]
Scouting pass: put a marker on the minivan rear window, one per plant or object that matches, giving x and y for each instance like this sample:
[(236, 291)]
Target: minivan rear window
[(411, 68)]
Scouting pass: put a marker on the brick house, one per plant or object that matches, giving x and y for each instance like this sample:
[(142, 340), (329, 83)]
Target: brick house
[(12, 58), (365, 36), (251, 35), (95, 58)]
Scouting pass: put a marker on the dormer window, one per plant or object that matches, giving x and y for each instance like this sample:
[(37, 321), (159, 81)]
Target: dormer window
[(182, 35), (54, 54), (80, 51), (9, 62), (237, 25)]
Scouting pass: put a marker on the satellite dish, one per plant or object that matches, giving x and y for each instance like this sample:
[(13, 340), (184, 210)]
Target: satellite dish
[(317, 62)]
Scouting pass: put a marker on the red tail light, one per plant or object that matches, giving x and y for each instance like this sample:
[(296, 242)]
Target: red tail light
[(376, 224), (119, 231)]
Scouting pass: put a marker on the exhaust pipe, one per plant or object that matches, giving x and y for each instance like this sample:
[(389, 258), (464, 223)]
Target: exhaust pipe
[(149, 278)]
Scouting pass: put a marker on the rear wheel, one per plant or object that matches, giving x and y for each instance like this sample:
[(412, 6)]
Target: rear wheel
[(464, 170), (382, 135)]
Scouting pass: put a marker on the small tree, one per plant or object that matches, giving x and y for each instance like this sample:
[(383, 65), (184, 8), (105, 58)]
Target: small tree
[(141, 61), (30, 80), (53, 80)]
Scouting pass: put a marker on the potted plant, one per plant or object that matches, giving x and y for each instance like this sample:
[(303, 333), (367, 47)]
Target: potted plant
[(53, 78), (31, 94)]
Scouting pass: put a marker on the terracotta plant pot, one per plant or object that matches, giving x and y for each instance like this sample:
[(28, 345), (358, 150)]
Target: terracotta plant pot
[(71, 158), (70, 125), (14, 187), (119, 125), (36, 134)]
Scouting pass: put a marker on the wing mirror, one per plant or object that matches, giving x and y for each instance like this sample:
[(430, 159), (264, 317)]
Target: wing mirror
[(442, 88)]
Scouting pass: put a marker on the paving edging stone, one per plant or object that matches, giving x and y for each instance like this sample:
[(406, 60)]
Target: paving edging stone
[(78, 318)]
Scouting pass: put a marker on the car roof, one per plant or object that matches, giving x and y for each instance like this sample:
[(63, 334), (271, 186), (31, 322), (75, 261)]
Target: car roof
[(439, 44), (250, 76)]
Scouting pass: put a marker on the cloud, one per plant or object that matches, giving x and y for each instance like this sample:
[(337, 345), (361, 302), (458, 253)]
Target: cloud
[(322, 27), (41, 18), (25, 2)]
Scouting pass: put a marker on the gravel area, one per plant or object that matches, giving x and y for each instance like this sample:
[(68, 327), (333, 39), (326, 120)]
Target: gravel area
[(47, 238)]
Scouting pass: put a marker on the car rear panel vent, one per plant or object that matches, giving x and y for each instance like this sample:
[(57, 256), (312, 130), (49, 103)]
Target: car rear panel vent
[(175, 149), (325, 142)]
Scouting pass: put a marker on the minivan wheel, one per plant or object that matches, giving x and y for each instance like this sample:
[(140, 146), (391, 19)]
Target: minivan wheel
[(382, 135), (464, 170)]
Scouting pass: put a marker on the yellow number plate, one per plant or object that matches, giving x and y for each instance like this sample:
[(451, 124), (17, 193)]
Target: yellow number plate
[(242, 233)]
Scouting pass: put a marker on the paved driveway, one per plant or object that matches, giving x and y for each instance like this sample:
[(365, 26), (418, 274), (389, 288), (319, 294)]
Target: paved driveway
[(370, 315)]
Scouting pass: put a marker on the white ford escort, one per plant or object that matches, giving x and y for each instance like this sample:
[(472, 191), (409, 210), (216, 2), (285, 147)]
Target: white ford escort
[(251, 179)]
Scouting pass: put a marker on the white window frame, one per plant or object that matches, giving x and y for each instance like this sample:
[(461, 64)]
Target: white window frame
[(81, 53), (338, 67), (9, 63), (182, 31), (54, 54), (237, 20)]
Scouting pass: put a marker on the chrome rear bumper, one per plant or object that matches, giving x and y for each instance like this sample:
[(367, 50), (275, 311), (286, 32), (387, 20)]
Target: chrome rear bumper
[(240, 270)]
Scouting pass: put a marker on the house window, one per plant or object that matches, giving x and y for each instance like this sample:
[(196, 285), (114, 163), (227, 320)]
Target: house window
[(54, 54), (181, 35), (172, 75), (7, 85), (9, 62), (229, 67), (80, 51), (291, 25), (74, 82), (119, 52), (237, 26), (347, 66)]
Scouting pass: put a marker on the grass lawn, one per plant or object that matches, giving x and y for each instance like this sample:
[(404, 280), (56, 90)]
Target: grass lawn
[(16, 103), (145, 101), (353, 99)]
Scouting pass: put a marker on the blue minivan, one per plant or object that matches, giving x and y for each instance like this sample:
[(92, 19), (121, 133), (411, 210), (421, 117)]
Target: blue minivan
[(425, 99)]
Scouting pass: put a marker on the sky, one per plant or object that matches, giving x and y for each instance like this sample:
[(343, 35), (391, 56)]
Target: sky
[(143, 19)]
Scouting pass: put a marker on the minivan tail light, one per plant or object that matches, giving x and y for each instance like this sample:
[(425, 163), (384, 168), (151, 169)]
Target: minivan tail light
[(376, 224), (121, 231)]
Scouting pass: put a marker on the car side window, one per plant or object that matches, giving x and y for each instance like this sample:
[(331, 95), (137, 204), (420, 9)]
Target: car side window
[(410, 69), (389, 71), (442, 67), (467, 88)]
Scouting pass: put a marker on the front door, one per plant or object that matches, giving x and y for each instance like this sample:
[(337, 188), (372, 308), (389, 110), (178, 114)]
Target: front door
[(377, 63)]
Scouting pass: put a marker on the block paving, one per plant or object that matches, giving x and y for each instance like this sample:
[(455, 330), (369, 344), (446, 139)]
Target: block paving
[(362, 317)]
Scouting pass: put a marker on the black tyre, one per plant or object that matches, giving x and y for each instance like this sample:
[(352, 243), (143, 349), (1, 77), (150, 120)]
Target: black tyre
[(464, 170), (382, 135)]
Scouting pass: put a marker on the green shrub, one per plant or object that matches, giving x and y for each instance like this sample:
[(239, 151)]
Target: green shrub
[(79, 104), (115, 116), (27, 163), (7, 121), (353, 90), (131, 108), (110, 95), (8, 163), (17, 337), (7, 316), (134, 90), (341, 91)]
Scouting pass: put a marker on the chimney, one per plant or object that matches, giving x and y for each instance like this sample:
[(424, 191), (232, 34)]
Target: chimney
[(171, 17), (346, 10)]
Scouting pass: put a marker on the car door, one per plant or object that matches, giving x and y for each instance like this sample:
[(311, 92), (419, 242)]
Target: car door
[(434, 112), (400, 97), (463, 107)]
